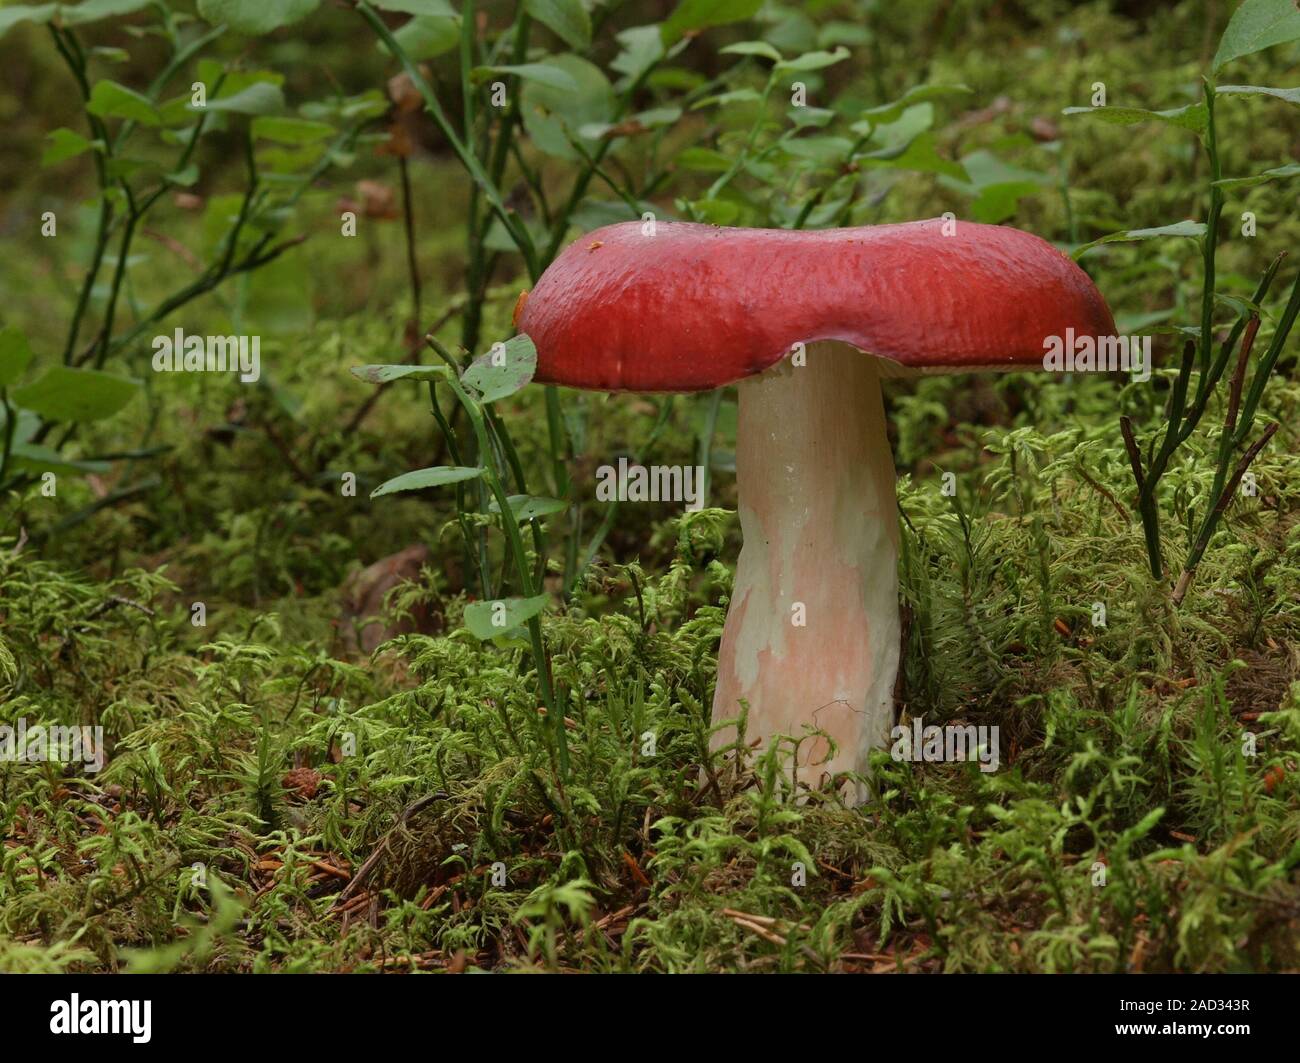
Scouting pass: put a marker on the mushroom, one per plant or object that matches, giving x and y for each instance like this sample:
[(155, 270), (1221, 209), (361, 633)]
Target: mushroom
[(806, 323)]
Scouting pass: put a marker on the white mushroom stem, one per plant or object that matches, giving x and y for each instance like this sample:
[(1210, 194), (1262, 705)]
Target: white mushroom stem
[(812, 632)]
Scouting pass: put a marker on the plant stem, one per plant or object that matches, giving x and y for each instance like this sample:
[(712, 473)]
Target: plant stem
[(76, 64), (516, 544), (712, 404), (1204, 386), (475, 169), (754, 130), (1266, 364), (412, 265), (1211, 233), (9, 432)]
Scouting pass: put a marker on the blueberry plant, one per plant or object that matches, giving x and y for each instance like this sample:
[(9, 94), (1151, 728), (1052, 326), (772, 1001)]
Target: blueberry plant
[(145, 146), (552, 144)]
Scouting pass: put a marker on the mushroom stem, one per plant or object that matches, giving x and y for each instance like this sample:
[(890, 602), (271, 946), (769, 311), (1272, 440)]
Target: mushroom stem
[(812, 632)]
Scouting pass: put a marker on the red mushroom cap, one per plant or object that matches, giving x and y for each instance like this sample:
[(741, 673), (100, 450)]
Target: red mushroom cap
[(694, 307)]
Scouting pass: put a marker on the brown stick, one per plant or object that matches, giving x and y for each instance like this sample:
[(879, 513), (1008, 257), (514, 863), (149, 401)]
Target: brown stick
[(330, 869), (1239, 375), (1101, 490), (1134, 455), (420, 959), (1225, 499), (761, 931)]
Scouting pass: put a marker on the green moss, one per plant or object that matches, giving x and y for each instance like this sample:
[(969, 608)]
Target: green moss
[(1146, 813)]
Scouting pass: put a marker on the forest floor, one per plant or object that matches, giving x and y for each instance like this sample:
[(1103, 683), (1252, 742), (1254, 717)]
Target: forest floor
[(277, 797)]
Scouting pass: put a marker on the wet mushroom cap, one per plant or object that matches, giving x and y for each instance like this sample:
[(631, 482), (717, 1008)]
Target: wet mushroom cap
[(693, 307)]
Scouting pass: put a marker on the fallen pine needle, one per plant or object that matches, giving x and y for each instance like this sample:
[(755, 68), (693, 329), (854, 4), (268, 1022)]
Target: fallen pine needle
[(330, 869), (761, 931), (760, 920)]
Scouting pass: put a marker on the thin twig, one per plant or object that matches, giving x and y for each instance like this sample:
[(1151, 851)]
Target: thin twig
[(1134, 455), (369, 865), (1239, 376)]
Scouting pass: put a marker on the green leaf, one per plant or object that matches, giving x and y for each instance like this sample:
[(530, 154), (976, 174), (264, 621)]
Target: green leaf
[(998, 202), (183, 178), (382, 374), (531, 507), (261, 97), (65, 394), (1194, 229), (422, 478), (702, 160), (1291, 170), (94, 10), (503, 370), (499, 238), (1290, 95), (32, 457), (724, 98), (232, 81), (810, 117), (425, 8), (542, 73), (715, 211), (642, 48), (108, 99), (997, 186), (595, 213), (176, 113), (427, 37), (1194, 116), (1256, 25), (811, 61), (256, 18), (567, 19), (639, 122), (889, 112), (490, 620), (898, 132), (820, 149), (26, 424), (291, 130), (552, 115), (853, 34), (1239, 305), (920, 155), (368, 104), (63, 144), (753, 48), (11, 16), (15, 353), (986, 170), (657, 116), (700, 14)]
